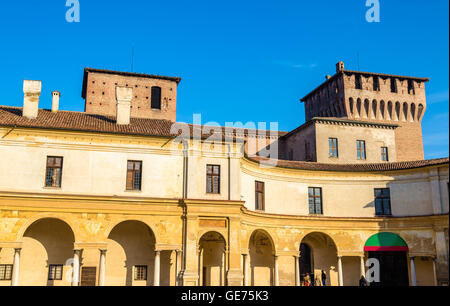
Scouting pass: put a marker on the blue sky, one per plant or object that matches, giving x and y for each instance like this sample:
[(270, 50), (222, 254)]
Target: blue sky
[(239, 60)]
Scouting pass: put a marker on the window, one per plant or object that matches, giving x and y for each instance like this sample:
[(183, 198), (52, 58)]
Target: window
[(361, 149), (393, 85), (333, 144), (55, 272), (259, 196), (156, 97), (315, 200), (384, 154), (358, 81), (6, 272), (376, 83), (213, 179), (54, 171), (134, 175), (140, 273), (411, 89), (383, 202)]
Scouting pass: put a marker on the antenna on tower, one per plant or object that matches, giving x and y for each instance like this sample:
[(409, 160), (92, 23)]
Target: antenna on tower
[(132, 59)]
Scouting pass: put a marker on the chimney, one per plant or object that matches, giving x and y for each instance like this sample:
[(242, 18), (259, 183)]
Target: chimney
[(340, 66), (123, 96), (55, 101), (32, 91)]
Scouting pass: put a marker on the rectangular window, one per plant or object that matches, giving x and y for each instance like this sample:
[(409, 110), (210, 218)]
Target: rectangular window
[(383, 202), (315, 200), (259, 196), (358, 81), (213, 179), (376, 83), (156, 97), (6, 272), (393, 85), (53, 173), (55, 272), (140, 273), (384, 154), (134, 175), (333, 145), (361, 149)]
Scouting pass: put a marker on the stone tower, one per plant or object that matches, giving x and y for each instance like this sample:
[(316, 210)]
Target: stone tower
[(374, 97)]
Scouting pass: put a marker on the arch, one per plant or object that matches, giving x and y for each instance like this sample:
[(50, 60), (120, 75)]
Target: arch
[(358, 108), (420, 112), (366, 108), (397, 111), (385, 241), (131, 245), (375, 109), (324, 253), (47, 245), (413, 112), (351, 106), (38, 217), (268, 236), (382, 110), (212, 250), (111, 227), (262, 261), (405, 111), (390, 111)]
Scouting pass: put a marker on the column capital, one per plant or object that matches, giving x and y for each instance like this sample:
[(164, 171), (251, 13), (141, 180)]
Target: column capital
[(17, 250), (103, 251)]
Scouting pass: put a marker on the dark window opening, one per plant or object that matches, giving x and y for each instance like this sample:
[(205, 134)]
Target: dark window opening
[(393, 85), (213, 179), (383, 202), (6, 272), (156, 98), (358, 81), (55, 272), (376, 83), (411, 89)]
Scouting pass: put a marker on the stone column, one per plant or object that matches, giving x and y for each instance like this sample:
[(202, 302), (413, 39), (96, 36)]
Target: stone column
[(246, 266), (276, 278), (340, 274), (413, 272), (222, 270), (363, 266), (157, 268), (200, 267), (177, 267), (102, 270), (16, 268), (297, 271), (76, 268), (434, 271)]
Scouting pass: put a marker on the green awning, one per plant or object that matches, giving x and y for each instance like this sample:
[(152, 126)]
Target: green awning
[(387, 242)]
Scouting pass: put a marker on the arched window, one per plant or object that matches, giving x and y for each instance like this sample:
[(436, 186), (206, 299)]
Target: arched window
[(420, 112), (413, 112), (405, 111), (351, 107), (358, 108), (382, 110), (366, 108), (389, 113), (374, 109), (397, 111), (156, 97)]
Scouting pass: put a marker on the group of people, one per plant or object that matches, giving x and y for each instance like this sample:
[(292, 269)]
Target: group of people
[(307, 281)]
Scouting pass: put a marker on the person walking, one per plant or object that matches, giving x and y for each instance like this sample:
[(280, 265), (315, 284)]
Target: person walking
[(363, 282), (324, 278)]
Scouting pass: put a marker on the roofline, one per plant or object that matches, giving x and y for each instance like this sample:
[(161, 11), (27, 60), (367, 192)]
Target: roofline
[(124, 73), (362, 72), (338, 120)]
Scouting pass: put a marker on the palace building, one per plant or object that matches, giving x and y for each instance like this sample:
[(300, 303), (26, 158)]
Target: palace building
[(124, 195)]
